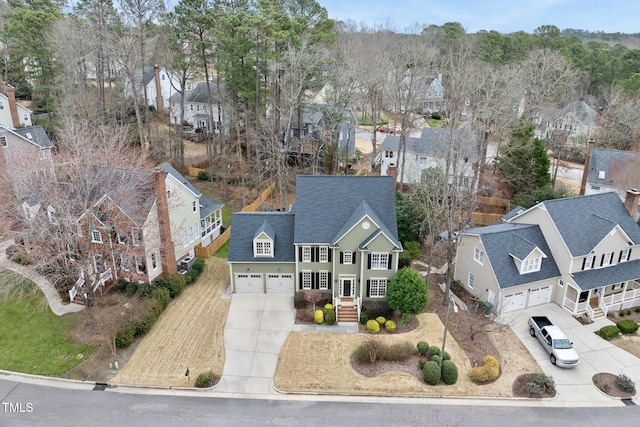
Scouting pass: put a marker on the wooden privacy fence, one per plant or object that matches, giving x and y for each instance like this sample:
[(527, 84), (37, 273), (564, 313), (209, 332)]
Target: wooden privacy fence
[(206, 252), (494, 201)]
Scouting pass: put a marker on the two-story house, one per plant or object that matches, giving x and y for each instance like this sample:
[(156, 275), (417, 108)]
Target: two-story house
[(12, 113), (340, 238), (582, 253), (430, 151), (159, 84), (200, 110)]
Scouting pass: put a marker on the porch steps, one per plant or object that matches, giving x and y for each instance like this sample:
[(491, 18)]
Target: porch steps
[(347, 314), (597, 313)]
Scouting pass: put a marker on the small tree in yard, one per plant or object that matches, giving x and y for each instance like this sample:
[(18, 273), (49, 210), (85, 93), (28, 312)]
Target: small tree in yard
[(313, 297), (407, 293)]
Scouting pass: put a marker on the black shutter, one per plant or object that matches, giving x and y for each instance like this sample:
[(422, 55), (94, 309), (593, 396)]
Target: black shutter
[(629, 257), (620, 256), (299, 253), (584, 261), (368, 287), (300, 281), (316, 280), (341, 258), (329, 280), (369, 261), (329, 254), (593, 261), (602, 260), (389, 263), (315, 255)]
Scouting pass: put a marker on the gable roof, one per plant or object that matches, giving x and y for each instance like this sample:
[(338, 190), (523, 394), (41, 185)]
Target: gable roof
[(208, 206), (35, 135), (434, 142), (19, 105), (170, 170), (503, 241), (615, 164), (325, 203), (199, 94), (585, 220), (246, 225)]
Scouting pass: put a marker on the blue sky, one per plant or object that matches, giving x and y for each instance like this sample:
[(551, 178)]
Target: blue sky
[(504, 16)]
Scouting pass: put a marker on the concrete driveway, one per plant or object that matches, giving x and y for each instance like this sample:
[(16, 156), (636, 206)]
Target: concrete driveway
[(596, 354), (256, 328)]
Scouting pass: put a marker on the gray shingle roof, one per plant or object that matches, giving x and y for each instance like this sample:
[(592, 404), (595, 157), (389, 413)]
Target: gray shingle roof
[(621, 272), (170, 170), (208, 206), (501, 240), (614, 164), (245, 225), (199, 94), (35, 134), (584, 221), (325, 203), (434, 142)]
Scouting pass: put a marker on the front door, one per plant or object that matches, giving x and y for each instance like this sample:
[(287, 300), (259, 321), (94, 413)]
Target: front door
[(347, 287)]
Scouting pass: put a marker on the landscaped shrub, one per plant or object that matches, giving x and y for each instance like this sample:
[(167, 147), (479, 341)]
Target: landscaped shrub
[(404, 319), (143, 326), (328, 306), (621, 313), (396, 352), (145, 290), (198, 265), (628, 312), (377, 308), (421, 363), (206, 379), (373, 326), (390, 326), (423, 347), (162, 296), (446, 356), (381, 320), (329, 316), (363, 318), (203, 176), (121, 285), (435, 358), (177, 284), (404, 259), (625, 383), (21, 258), (538, 383), (449, 372), (431, 373), (627, 326), (131, 288), (125, 336), (637, 310), (368, 351), (433, 350), (609, 331), (487, 372), (413, 248), (318, 316)]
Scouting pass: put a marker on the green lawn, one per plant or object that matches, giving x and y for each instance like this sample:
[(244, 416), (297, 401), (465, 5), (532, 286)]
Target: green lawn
[(223, 252), (33, 340)]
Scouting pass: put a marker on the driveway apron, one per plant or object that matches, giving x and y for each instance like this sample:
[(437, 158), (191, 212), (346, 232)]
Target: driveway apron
[(256, 328), (596, 354)]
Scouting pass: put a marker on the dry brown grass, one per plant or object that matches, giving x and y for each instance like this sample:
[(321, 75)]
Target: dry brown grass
[(190, 333)]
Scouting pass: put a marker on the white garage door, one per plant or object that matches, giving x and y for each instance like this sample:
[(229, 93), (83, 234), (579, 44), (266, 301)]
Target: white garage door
[(280, 284), (512, 302), (539, 296), (249, 284)]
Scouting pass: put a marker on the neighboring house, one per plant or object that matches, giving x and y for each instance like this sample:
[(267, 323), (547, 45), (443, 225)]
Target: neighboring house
[(611, 170), (161, 85), (339, 238), (582, 253), (430, 94), (429, 151), (13, 114), (573, 124), (25, 157), (195, 219), (197, 106)]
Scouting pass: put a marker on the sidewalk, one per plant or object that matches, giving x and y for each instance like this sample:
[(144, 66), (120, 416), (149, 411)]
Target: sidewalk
[(53, 298)]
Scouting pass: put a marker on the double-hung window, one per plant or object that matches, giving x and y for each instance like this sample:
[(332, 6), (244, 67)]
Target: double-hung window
[(306, 280), (478, 256), (306, 254), (377, 288), (379, 261)]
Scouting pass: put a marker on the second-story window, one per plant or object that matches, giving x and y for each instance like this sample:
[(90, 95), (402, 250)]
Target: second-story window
[(606, 259), (323, 254), (624, 255), (306, 254), (194, 205), (96, 236), (379, 261), (478, 256), (347, 257)]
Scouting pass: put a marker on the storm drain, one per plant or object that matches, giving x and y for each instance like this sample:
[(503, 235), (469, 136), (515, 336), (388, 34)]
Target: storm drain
[(100, 387), (628, 402)]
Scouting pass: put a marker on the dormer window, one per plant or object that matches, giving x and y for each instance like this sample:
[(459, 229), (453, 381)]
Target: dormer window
[(624, 255), (531, 265), (262, 248)]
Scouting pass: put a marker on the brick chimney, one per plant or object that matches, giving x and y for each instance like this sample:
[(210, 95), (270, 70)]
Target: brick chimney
[(167, 252), (587, 158), (631, 200), (159, 102), (13, 107)]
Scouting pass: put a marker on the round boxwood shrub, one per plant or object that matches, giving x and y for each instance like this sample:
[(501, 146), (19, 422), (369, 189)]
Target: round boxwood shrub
[(206, 379), (318, 316), (609, 331), (390, 326), (435, 358), (431, 373), (446, 356), (449, 372), (627, 326), (328, 306), (125, 336), (373, 326), (364, 317), (421, 363), (329, 316), (433, 350), (381, 320), (423, 347)]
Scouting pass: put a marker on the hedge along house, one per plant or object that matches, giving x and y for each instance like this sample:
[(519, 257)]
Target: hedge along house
[(339, 238)]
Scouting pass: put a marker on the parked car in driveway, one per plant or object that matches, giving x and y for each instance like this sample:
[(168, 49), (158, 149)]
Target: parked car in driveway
[(554, 341), (387, 129)]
